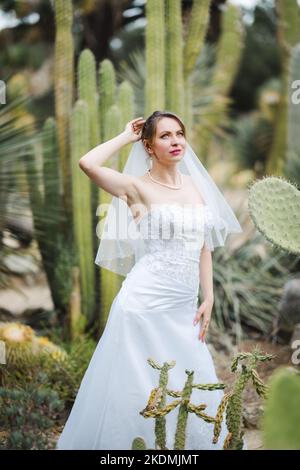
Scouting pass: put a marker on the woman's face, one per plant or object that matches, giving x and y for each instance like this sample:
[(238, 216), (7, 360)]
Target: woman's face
[(168, 137)]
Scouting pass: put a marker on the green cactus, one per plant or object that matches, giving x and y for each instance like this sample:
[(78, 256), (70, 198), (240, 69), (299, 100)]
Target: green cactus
[(107, 94), (64, 84), (81, 192), (157, 408), (197, 28), (138, 444), (292, 169), (194, 39), (288, 36), (281, 418), (229, 51), (87, 91), (274, 208), (22, 345), (174, 56), (232, 401), (155, 56), (126, 106), (110, 281), (160, 395)]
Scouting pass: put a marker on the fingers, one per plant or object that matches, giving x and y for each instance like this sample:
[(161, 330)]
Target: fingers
[(197, 317), (203, 330), (137, 123), (204, 324)]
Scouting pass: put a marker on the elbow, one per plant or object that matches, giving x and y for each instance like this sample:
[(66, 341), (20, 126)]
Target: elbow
[(83, 164)]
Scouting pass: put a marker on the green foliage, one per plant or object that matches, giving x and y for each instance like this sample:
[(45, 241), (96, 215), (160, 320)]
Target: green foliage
[(26, 415), (247, 297), (252, 140)]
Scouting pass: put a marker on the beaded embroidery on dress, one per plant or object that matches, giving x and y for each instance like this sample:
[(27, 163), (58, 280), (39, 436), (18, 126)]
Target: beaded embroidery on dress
[(151, 317)]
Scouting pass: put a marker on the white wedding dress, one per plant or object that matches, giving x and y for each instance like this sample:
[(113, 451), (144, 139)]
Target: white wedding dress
[(151, 317)]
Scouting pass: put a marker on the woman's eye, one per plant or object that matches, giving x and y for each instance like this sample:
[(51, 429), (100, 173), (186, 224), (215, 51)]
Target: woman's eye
[(165, 135)]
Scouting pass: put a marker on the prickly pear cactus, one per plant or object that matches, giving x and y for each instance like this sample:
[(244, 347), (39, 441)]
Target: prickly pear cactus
[(274, 206), (281, 419)]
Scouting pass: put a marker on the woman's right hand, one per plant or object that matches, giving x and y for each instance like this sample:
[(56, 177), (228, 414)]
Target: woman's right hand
[(134, 129)]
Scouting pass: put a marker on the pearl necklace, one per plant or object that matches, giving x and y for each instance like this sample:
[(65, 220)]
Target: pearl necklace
[(164, 184)]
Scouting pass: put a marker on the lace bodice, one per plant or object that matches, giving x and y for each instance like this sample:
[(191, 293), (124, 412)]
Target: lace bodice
[(174, 236)]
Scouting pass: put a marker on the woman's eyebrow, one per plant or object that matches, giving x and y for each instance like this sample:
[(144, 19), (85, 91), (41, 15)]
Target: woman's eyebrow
[(169, 132)]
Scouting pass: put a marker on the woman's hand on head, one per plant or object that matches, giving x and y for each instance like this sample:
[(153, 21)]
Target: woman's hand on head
[(134, 128)]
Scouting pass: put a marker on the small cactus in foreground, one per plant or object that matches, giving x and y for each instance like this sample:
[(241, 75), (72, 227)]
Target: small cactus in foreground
[(232, 401), (156, 407)]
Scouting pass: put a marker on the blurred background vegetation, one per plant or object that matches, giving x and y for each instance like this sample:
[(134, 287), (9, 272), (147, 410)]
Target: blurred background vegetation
[(75, 73)]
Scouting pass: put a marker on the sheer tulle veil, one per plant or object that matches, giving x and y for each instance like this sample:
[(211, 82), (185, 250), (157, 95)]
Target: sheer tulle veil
[(121, 245)]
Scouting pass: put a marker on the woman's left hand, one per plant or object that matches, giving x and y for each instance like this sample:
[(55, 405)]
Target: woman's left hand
[(204, 312)]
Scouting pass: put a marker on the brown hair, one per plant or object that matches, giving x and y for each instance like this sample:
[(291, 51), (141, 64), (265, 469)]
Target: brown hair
[(149, 127)]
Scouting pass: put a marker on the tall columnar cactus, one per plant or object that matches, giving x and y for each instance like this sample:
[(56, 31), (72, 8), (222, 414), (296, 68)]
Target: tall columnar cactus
[(194, 41), (110, 281), (288, 35), (64, 84), (52, 202), (292, 168), (107, 93), (155, 56), (232, 401), (274, 206), (193, 44), (157, 407), (126, 106), (280, 424), (88, 92), (81, 192), (229, 50), (174, 58)]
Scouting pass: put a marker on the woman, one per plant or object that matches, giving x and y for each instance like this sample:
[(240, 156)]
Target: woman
[(174, 217)]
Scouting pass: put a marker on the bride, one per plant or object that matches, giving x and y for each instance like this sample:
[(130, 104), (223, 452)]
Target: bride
[(169, 219)]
